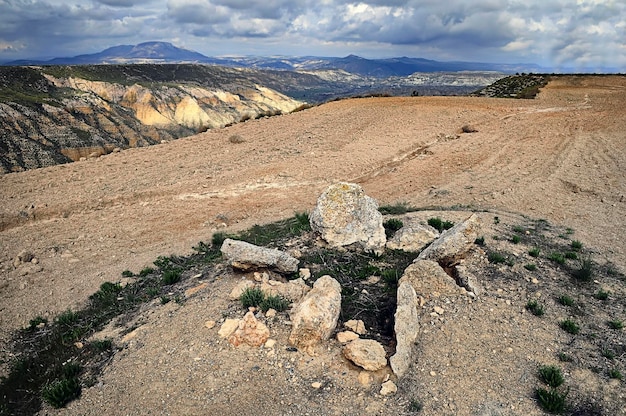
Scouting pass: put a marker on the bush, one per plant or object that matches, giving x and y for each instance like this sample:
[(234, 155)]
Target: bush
[(60, 392), (601, 295), (557, 258), (480, 241), (576, 245), (171, 276), (551, 375), (566, 300), (616, 324), (278, 303), (552, 400), (570, 326), (534, 252), (530, 267), (439, 224), (495, 257), (534, 307), (252, 297), (585, 272), (391, 226)]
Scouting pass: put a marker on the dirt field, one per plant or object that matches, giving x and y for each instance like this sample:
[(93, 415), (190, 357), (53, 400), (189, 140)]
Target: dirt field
[(560, 157)]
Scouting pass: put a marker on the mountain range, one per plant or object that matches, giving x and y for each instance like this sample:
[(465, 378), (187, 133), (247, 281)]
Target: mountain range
[(164, 52)]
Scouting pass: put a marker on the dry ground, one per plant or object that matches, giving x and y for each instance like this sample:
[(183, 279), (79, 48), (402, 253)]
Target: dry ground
[(560, 157)]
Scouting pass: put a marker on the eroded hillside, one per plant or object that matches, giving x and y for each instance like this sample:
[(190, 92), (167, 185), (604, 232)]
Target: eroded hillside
[(51, 115)]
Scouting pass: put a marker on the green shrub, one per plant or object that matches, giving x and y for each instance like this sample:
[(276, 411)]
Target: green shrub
[(616, 324), (391, 226), (516, 239), (608, 353), (571, 255), (397, 209), (67, 318), (576, 245), (480, 241), (565, 358), (60, 392), (36, 321), (252, 297), (439, 224), (534, 252), (277, 302), (531, 267), (518, 229), (566, 300), (570, 326), (496, 258), (146, 271), (552, 400), (415, 406), (585, 272), (102, 344), (601, 295), (535, 308), (171, 276), (615, 373), (127, 273), (551, 375), (557, 258)]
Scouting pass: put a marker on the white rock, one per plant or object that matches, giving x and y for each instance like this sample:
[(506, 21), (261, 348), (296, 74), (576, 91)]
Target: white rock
[(366, 353), (388, 388), (228, 327), (406, 328), (250, 331), (453, 244), (246, 256), (357, 326), (412, 238), (315, 317), (344, 215), (346, 336)]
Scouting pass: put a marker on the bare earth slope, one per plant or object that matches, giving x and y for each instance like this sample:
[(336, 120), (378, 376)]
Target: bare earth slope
[(561, 157)]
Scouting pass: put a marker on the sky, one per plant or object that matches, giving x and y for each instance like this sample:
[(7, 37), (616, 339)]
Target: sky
[(551, 33)]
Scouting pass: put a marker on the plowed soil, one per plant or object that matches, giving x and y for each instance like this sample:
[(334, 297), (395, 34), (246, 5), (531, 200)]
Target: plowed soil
[(560, 157)]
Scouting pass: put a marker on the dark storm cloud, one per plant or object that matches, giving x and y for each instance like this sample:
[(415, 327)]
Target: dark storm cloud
[(561, 32)]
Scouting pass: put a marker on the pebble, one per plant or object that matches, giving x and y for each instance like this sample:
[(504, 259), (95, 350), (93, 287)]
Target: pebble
[(432, 373), (439, 310), (316, 385), (209, 324)]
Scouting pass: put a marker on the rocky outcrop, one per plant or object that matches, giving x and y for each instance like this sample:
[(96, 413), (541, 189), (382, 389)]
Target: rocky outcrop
[(344, 215), (246, 256), (315, 317)]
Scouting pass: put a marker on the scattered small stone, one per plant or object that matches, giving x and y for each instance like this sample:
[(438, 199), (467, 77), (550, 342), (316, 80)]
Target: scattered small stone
[(534, 280), (228, 327), (365, 378), (357, 326), (388, 388), (346, 336), (209, 324), (432, 373), (270, 343), (271, 313), (439, 310), (305, 274), (316, 385)]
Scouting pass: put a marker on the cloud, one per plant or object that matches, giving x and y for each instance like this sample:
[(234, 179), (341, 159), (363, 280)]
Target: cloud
[(560, 32)]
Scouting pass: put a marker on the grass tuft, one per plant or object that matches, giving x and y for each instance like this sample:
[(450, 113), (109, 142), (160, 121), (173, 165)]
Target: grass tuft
[(391, 226), (496, 258), (277, 302), (252, 297), (616, 374), (480, 241), (534, 308), (552, 401), (566, 300), (396, 209), (530, 267), (60, 392), (601, 295), (576, 245), (585, 272), (615, 324), (570, 326), (557, 257), (551, 375), (534, 252), (439, 224)]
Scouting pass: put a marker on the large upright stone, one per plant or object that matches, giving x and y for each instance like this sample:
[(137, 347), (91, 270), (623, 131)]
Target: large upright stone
[(453, 244), (406, 328), (344, 215), (315, 317), (246, 256)]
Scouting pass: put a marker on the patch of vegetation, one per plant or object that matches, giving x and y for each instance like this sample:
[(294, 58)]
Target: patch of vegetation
[(565, 357), (516, 239), (439, 224), (608, 353), (571, 255), (576, 245), (566, 300), (585, 271), (480, 241), (60, 392), (535, 308), (496, 258), (601, 295), (552, 401), (615, 324), (37, 321), (391, 226), (551, 375), (530, 267), (534, 252), (171, 276), (415, 406), (557, 257), (615, 373), (396, 209), (276, 302), (236, 138), (146, 271), (127, 273), (570, 326), (252, 297)]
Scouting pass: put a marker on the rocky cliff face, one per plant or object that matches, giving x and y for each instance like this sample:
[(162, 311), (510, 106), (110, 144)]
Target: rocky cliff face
[(51, 115)]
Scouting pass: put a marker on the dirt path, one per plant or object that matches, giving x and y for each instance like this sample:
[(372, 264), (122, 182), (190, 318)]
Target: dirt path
[(561, 157)]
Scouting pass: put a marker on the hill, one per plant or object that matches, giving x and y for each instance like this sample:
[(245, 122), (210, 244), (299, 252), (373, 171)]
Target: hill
[(551, 166)]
